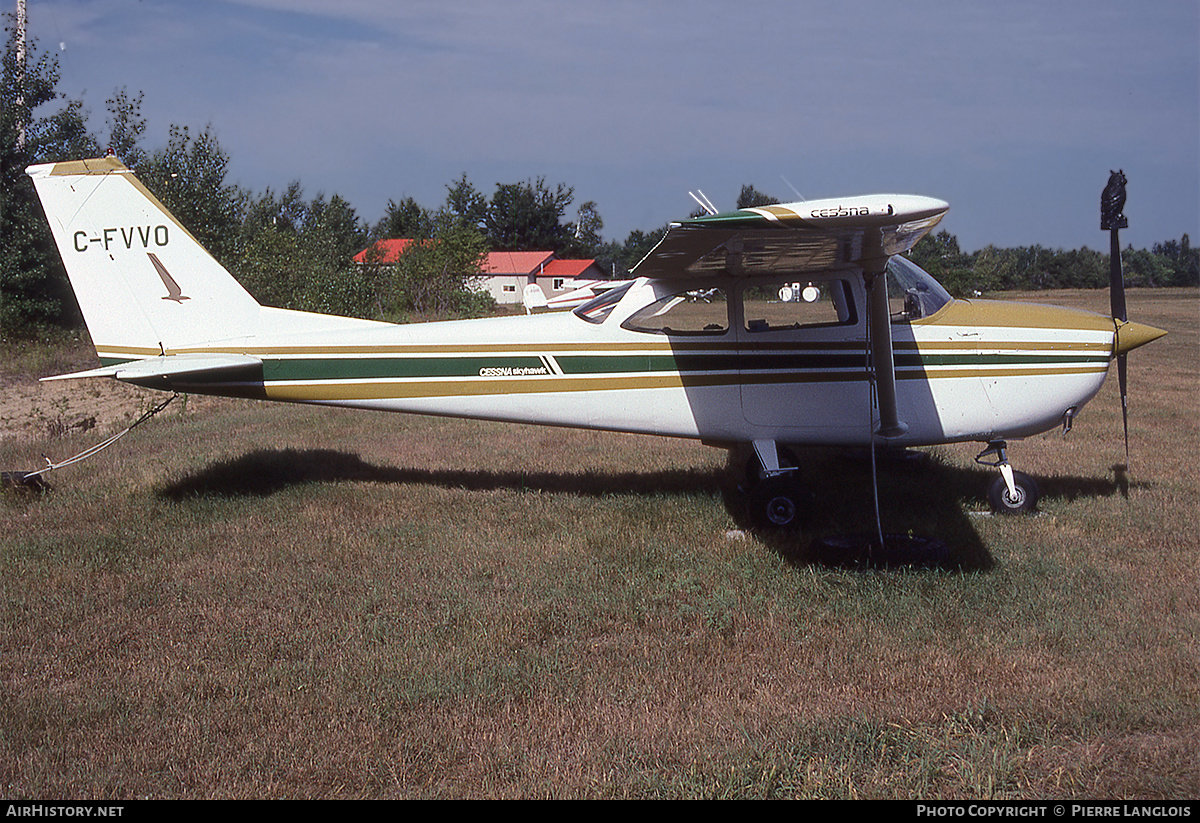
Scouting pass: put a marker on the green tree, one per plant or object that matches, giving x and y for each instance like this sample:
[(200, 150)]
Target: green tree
[(404, 220), (940, 255), (270, 261), (1183, 261), (1144, 268), (1088, 269), (751, 197), (64, 135), (271, 266), (296, 254), (125, 127), (987, 266), (188, 176), (333, 231), (619, 259), (528, 217), (331, 235), (585, 232), (438, 277), (34, 291), (466, 204)]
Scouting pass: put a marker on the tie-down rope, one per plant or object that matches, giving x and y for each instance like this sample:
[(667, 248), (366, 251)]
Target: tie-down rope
[(34, 478)]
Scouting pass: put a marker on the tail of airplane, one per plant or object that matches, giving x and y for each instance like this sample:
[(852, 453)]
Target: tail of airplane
[(145, 285), (143, 282)]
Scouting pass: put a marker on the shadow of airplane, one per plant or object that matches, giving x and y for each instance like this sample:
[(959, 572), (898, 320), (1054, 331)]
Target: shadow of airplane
[(266, 472), (918, 494)]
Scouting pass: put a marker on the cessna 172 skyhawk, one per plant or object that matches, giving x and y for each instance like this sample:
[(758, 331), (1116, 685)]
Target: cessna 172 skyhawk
[(699, 345)]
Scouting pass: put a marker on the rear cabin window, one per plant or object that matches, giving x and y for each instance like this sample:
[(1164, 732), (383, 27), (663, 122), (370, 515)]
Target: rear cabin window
[(695, 312), (599, 308), (781, 305)]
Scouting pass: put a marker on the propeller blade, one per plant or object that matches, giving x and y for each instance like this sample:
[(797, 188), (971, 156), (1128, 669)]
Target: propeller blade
[(1122, 380), (1116, 281), (1120, 315)]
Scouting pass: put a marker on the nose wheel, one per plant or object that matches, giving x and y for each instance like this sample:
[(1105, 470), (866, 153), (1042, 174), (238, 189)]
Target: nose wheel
[(775, 496), (777, 503), (1013, 492)]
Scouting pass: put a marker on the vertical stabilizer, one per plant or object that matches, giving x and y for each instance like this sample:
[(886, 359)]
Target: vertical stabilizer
[(143, 282)]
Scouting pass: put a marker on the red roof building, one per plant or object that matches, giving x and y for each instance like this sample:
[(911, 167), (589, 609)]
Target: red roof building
[(383, 251), (505, 273), (508, 273)]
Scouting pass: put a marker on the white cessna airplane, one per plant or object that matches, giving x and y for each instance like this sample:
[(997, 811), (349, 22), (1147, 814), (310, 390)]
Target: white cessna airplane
[(699, 345)]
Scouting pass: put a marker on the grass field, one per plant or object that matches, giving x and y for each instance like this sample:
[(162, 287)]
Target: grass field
[(252, 600)]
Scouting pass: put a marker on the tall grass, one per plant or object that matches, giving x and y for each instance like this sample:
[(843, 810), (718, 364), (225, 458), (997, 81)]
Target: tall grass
[(244, 600)]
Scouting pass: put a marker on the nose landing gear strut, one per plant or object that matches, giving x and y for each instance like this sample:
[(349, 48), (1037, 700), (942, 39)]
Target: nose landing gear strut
[(1013, 492)]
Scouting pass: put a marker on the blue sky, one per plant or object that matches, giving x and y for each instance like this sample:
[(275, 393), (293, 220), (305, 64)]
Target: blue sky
[(1013, 112)]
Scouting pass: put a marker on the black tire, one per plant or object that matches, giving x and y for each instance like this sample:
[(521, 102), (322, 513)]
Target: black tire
[(1003, 502), (777, 504)]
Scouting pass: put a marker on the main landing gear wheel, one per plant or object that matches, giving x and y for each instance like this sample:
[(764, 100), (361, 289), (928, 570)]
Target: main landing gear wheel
[(776, 503), (1023, 501)]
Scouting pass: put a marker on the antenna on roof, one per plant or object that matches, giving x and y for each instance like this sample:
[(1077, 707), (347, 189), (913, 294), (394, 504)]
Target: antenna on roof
[(790, 186), (701, 198)]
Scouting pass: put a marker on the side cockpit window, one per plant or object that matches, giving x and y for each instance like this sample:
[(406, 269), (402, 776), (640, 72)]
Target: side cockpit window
[(693, 312), (782, 305)]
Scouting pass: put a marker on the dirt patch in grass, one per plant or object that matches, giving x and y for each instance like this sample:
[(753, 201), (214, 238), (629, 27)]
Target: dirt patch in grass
[(34, 410)]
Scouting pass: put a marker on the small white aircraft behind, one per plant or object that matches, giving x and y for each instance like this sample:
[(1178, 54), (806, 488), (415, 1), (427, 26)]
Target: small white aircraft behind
[(699, 345), (578, 293)]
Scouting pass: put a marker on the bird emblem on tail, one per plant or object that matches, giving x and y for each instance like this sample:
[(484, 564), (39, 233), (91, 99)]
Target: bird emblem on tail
[(173, 291)]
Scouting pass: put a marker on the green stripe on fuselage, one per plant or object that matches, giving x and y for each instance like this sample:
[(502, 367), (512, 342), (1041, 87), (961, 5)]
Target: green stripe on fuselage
[(376, 368), (501, 365)]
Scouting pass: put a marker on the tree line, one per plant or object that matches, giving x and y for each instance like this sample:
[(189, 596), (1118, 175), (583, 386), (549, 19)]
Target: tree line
[(1029, 268), (1034, 268), (295, 251)]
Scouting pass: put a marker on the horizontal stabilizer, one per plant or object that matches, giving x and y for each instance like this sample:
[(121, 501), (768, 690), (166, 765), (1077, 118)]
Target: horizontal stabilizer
[(180, 366)]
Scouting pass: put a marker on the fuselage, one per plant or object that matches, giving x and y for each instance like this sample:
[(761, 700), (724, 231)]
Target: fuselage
[(719, 359)]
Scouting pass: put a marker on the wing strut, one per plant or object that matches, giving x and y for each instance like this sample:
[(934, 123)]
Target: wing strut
[(879, 341)]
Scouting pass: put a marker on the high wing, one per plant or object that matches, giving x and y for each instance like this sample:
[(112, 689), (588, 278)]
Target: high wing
[(815, 235)]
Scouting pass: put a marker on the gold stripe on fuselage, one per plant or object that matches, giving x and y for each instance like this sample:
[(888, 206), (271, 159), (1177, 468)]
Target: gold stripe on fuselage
[(333, 390)]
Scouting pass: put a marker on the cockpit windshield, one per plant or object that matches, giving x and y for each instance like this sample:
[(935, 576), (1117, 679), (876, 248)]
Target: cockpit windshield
[(921, 294), (599, 308)]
